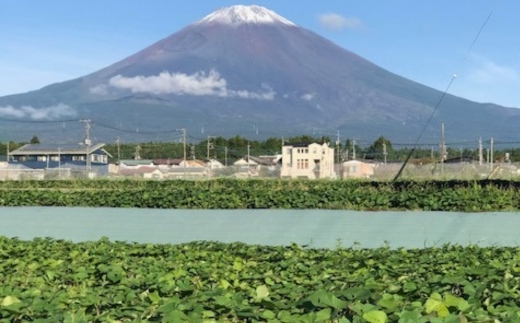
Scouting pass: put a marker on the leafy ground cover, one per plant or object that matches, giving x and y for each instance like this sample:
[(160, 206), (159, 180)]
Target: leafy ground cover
[(470, 196), (48, 280)]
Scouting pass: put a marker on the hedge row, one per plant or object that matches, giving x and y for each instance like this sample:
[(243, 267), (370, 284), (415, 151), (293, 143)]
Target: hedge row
[(470, 196)]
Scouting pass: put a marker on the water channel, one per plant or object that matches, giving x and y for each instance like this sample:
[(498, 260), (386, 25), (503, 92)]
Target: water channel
[(315, 228)]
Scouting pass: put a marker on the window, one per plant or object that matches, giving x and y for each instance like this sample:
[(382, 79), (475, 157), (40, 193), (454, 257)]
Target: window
[(41, 158), (352, 169), (302, 163), (306, 150), (78, 157), (55, 158), (288, 150), (99, 158)]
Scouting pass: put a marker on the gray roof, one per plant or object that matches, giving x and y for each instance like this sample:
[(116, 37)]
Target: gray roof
[(54, 149), (136, 162)]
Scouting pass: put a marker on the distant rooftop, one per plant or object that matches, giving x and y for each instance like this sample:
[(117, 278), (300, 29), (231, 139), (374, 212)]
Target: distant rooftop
[(39, 149)]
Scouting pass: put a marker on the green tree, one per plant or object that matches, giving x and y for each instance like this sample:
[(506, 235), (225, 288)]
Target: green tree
[(379, 148), (34, 140)]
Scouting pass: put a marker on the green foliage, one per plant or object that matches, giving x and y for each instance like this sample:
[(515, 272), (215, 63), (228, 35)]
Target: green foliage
[(378, 149), (466, 196), (46, 280), (34, 140)]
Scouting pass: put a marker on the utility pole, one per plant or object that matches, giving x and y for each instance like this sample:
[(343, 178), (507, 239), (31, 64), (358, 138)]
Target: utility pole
[(87, 143), (384, 151), (491, 157), (480, 156), (59, 162), (353, 149), (209, 146), (137, 153), (225, 156), (248, 154), (118, 152), (443, 149), (118, 155), (183, 130), (192, 151), (337, 146)]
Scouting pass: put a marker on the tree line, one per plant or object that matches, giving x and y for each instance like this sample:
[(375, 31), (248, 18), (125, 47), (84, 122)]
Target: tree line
[(234, 148)]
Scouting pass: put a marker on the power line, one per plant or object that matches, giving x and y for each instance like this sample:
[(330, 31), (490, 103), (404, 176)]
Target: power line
[(439, 103)]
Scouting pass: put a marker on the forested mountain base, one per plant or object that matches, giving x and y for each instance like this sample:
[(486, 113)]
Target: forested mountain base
[(468, 196)]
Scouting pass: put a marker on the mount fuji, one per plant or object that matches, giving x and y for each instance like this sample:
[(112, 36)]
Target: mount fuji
[(246, 70)]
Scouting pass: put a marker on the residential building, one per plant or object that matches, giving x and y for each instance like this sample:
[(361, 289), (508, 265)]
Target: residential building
[(253, 166), (358, 169), (307, 160), (77, 157)]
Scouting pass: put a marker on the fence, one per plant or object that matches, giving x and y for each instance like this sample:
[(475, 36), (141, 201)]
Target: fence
[(438, 171), (17, 174), (377, 171)]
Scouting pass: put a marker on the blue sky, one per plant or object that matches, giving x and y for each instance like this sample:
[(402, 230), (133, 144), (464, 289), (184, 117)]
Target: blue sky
[(44, 42)]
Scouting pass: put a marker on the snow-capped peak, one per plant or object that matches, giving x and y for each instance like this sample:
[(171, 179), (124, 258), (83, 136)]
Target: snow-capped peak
[(240, 14)]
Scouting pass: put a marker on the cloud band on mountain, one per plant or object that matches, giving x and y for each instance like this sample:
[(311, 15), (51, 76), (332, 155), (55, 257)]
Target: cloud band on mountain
[(46, 113), (336, 22), (200, 83)]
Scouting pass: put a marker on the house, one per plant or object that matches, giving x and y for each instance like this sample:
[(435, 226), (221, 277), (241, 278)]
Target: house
[(246, 161), (139, 172), (307, 160), (178, 162), (263, 166), (135, 163), (186, 172), (257, 162), (215, 164), (357, 169), (76, 157)]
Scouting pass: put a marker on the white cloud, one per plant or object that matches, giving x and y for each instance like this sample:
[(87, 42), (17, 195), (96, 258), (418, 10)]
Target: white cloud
[(485, 80), (337, 22), (308, 96), (199, 83), (486, 71), (47, 113), (178, 83), (99, 89)]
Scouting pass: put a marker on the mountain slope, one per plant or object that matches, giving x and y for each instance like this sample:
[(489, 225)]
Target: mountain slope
[(245, 69)]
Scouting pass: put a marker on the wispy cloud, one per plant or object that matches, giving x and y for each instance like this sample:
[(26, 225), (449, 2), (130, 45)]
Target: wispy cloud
[(337, 22), (308, 96), (99, 89), (486, 80), (45, 113), (486, 71), (200, 83)]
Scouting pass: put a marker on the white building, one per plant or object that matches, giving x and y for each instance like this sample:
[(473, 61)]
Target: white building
[(312, 161)]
